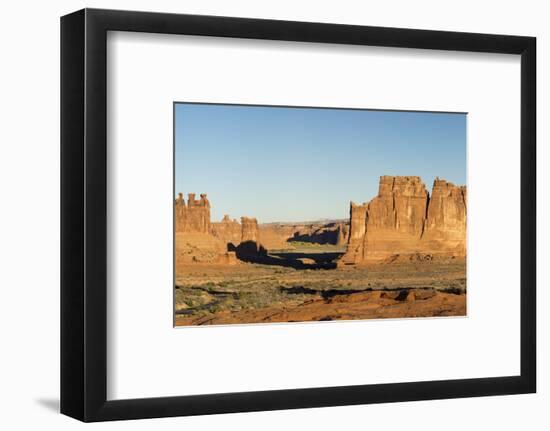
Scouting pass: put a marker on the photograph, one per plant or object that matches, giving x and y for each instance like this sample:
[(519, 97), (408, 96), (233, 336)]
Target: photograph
[(301, 214)]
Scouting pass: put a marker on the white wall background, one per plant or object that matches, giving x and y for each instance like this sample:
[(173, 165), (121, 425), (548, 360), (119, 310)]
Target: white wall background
[(380, 77), (29, 216)]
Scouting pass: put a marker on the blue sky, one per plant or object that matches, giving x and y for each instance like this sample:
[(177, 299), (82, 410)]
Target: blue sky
[(301, 164)]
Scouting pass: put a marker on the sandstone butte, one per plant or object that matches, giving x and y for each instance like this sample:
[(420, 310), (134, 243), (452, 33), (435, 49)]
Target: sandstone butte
[(403, 220)]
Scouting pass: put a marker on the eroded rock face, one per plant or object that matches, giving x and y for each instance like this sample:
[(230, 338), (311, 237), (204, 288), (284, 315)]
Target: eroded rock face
[(199, 240), (400, 205), (342, 234), (358, 226), (395, 218), (445, 229), (250, 238), (404, 220), (229, 231), (193, 216), (250, 231)]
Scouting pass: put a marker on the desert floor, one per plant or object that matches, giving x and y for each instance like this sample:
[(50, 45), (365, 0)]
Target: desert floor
[(207, 294)]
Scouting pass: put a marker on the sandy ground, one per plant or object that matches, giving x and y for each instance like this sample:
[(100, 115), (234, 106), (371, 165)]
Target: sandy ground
[(208, 294)]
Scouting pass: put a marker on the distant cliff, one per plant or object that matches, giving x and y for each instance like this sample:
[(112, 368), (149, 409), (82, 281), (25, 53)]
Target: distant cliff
[(405, 220), (285, 235)]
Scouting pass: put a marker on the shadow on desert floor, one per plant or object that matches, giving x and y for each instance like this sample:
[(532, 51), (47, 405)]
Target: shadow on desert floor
[(251, 252)]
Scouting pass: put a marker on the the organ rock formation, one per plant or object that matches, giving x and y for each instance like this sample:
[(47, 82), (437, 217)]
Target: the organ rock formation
[(405, 220)]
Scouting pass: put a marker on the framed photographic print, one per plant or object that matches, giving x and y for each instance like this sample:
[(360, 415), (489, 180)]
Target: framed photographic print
[(262, 215), (309, 254)]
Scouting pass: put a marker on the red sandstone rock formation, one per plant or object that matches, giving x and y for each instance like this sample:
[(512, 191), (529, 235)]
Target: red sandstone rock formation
[(404, 220), (193, 239), (250, 231), (199, 240), (229, 231), (445, 229), (193, 216), (342, 234), (358, 225), (250, 238)]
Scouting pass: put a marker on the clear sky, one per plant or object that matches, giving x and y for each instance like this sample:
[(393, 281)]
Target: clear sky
[(302, 164)]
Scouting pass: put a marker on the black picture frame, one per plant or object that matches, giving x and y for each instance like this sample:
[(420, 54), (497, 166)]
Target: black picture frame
[(84, 214)]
